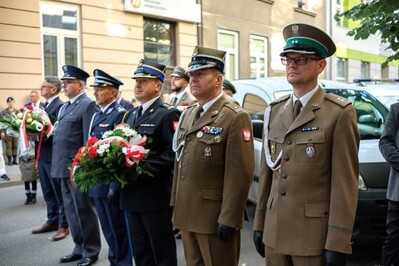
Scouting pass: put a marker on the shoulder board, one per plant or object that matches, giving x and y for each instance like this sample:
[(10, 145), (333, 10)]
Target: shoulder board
[(236, 108), (167, 106), (281, 99), (120, 109), (337, 99)]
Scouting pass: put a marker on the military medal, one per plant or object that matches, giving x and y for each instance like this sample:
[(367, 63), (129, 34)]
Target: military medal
[(212, 130), (310, 151), (218, 139), (200, 134)]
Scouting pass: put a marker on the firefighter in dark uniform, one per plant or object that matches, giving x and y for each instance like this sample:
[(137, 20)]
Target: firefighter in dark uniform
[(106, 197), (146, 198)]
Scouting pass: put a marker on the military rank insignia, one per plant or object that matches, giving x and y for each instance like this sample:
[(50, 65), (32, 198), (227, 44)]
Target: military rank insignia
[(246, 134)]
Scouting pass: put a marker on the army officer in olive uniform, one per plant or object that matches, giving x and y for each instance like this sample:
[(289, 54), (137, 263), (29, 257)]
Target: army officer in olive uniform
[(309, 166), (214, 167), (106, 197)]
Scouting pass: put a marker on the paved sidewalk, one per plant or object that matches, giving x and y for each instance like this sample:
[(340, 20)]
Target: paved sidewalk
[(14, 174)]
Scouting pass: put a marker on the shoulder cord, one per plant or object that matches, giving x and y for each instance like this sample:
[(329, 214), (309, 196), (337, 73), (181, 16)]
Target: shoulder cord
[(276, 164), (178, 148)]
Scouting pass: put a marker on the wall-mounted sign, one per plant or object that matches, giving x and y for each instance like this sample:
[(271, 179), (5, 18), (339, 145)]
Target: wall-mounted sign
[(180, 10)]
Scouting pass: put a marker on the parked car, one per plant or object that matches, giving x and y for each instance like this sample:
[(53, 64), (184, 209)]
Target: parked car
[(385, 90), (254, 95)]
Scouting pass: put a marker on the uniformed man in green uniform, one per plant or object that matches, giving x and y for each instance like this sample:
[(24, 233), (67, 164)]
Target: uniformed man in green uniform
[(309, 167), (214, 166)]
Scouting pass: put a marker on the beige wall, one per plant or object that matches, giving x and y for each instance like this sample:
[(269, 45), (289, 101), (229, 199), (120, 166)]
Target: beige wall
[(111, 40), (262, 18)]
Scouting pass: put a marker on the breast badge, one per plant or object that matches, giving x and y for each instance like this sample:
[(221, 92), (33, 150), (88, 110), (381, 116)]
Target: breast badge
[(310, 151)]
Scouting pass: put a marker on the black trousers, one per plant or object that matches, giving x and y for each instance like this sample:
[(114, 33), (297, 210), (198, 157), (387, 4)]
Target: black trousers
[(153, 241), (390, 249)]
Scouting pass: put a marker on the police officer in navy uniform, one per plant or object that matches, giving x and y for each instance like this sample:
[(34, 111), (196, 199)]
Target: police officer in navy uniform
[(106, 197), (146, 198), (70, 133)]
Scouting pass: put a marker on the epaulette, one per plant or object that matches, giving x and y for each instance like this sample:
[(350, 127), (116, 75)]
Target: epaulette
[(281, 99), (166, 105), (339, 100), (120, 109), (236, 108)]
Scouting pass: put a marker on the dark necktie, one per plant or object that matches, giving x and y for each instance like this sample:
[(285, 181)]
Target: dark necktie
[(174, 101), (197, 113), (138, 113), (297, 108)]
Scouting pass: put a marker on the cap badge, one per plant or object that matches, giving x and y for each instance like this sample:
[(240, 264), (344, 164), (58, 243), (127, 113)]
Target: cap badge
[(295, 30)]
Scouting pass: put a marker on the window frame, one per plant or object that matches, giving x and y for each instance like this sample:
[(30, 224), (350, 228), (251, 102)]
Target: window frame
[(258, 56), (229, 51), (60, 35)]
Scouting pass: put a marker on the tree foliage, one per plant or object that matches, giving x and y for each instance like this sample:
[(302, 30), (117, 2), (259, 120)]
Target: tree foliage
[(379, 18)]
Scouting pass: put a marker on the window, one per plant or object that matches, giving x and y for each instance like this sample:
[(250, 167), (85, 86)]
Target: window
[(159, 44), (341, 69), (60, 32), (228, 41), (364, 69), (258, 54)]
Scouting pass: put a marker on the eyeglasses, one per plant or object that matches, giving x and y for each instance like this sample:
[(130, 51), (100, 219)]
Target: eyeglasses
[(67, 83), (300, 60)]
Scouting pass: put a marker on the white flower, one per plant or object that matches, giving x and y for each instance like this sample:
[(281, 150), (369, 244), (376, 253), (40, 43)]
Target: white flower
[(106, 134), (128, 132), (103, 148)]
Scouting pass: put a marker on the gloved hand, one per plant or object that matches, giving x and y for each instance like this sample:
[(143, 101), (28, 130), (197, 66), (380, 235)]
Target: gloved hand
[(260, 247), (334, 258), (225, 232), (113, 196)]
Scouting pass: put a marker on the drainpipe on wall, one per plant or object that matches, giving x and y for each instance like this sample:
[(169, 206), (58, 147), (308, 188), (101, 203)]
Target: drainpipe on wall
[(199, 27)]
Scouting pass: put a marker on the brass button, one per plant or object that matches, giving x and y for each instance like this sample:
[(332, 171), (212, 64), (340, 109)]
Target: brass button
[(283, 193), (286, 158), (289, 142), (285, 176)]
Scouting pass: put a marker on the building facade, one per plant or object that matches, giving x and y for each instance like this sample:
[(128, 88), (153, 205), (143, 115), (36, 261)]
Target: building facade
[(38, 37)]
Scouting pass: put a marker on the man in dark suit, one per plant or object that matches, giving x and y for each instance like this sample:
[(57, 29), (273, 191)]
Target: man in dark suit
[(146, 198), (34, 98), (70, 133), (106, 197), (389, 147), (51, 187)]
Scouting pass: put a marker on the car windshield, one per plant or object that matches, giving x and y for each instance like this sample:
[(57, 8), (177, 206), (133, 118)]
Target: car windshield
[(371, 114)]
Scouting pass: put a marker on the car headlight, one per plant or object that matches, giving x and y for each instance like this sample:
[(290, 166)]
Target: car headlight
[(361, 185)]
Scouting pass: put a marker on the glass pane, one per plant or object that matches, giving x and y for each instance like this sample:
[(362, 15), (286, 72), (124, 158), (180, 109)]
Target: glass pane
[(253, 67), (231, 67), (50, 55), (226, 40), (71, 51), (257, 46), (59, 18), (262, 66), (158, 42)]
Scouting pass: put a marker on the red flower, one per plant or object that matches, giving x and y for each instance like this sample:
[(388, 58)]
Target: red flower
[(91, 141), (92, 152), (29, 107)]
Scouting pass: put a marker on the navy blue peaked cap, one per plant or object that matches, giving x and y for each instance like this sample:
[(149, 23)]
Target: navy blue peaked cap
[(73, 72), (103, 79), (149, 69)]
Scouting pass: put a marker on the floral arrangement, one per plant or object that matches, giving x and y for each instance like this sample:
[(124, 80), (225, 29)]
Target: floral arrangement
[(112, 158), (31, 120)]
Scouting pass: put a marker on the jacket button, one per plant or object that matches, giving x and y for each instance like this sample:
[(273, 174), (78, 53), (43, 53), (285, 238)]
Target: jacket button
[(283, 193), (285, 176), (286, 158), (289, 142), (182, 177), (325, 212), (219, 198)]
